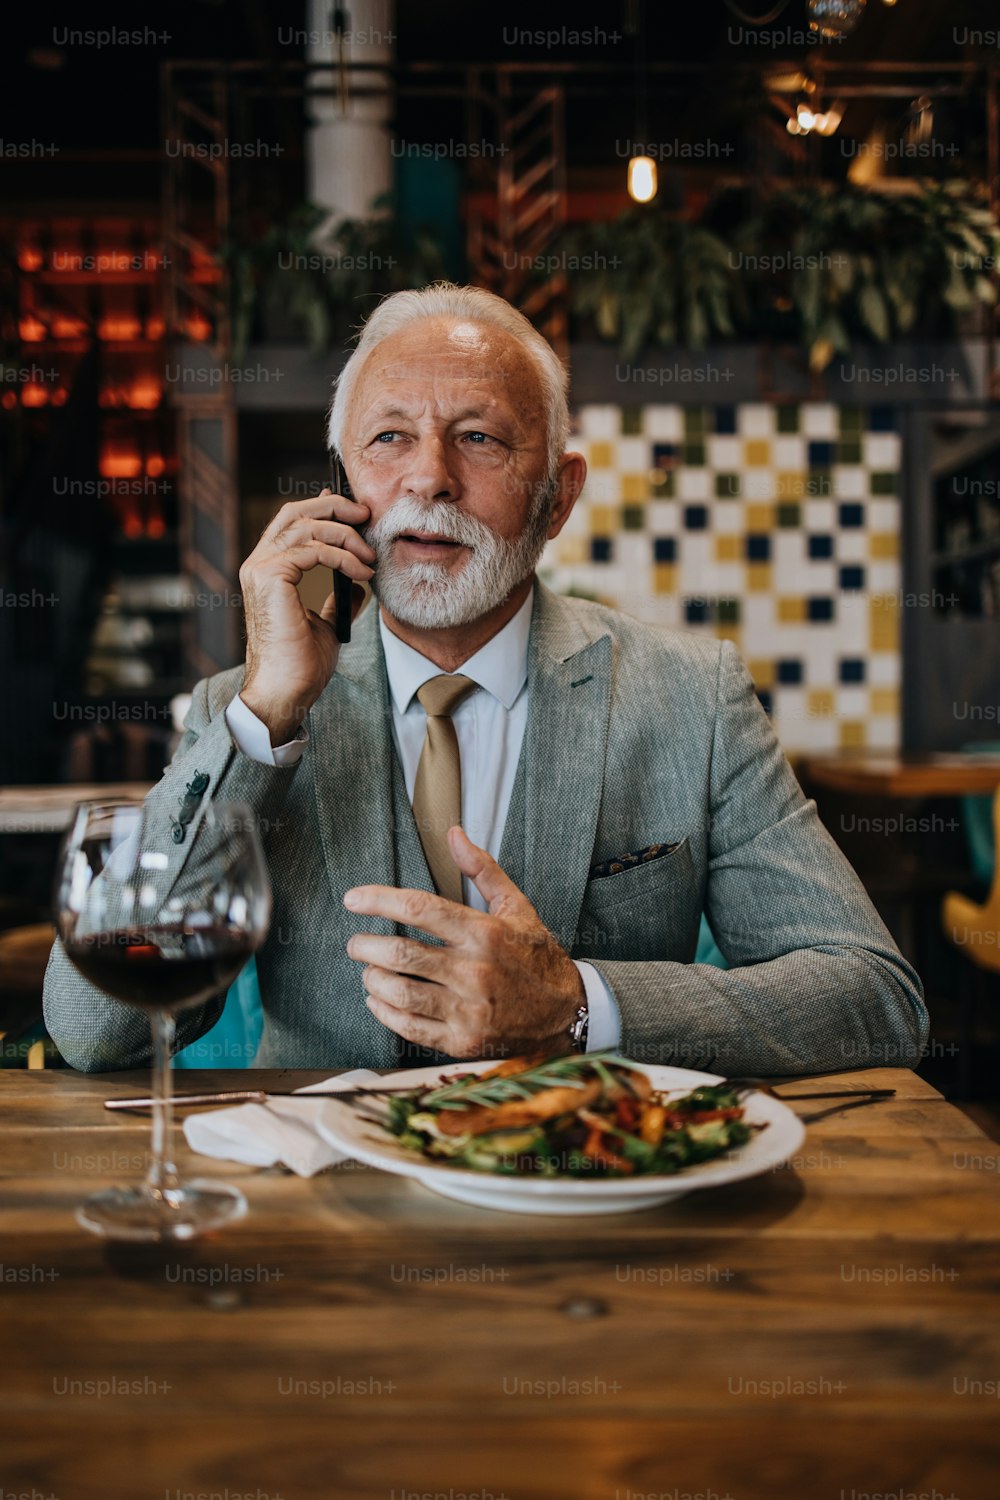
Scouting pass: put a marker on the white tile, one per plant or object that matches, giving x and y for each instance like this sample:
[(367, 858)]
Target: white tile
[(883, 514), (600, 423), (758, 614), (885, 669), (788, 453), (819, 652), (883, 577), (724, 453), (694, 484), (728, 518), (819, 421), (811, 736), (731, 579), (820, 515), (760, 484), (662, 517), (633, 455), (881, 450), (820, 578), (883, 732), (852, 702), (603, 487), (664, 424), (851, 546), (753, 421), (850, 482), (788, 551)]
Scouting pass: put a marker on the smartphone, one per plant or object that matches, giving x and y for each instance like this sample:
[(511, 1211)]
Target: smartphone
[(341, 582)]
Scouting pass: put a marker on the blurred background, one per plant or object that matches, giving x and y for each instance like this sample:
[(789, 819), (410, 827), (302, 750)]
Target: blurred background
[(763, 236)]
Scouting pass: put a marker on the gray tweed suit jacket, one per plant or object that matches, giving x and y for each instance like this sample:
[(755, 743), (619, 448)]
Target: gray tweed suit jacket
[(636, 736)]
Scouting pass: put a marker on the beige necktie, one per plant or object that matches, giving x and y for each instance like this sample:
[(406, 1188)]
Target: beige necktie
[(437, 792)]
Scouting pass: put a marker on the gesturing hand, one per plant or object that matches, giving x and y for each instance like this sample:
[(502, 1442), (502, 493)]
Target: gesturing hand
[(500, 983)]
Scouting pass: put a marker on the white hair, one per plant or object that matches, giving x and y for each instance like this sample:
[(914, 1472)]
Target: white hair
[(475, 305)]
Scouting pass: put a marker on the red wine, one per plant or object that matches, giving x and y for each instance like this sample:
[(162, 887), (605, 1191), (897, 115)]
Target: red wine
[(161, 968)]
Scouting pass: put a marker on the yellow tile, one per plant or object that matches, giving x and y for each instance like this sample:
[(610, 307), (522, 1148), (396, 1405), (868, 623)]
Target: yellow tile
[(728, 633), (757, 453), (791, 486), (664, 578), (760, 518), (884, 700), (603, 519), (762, 673), (728, 548), (820, 703), (601, 455), (884, 622), (634, 487), (573, 550), (883, 544), (759, 578), (853, 734), (791, 610)]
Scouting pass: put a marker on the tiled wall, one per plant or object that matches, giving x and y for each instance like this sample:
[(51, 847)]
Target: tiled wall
[(776, 527)]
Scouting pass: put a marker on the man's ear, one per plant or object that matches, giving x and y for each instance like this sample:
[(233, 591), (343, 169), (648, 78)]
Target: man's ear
[(570, 480)]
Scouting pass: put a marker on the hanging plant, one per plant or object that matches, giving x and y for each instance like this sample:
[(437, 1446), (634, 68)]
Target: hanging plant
[(831, 267), (649, 278), (323, 286)]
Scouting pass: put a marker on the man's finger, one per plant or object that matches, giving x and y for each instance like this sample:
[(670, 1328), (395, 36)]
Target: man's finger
[(418, 998), (417, 1029), (434, 914), (490, 881), (401, 955)]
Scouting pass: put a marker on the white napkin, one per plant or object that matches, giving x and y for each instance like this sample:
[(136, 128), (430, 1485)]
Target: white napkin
[(283, 1130)]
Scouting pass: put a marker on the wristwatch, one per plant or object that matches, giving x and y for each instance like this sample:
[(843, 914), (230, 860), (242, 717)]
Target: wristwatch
[(578, 1027)]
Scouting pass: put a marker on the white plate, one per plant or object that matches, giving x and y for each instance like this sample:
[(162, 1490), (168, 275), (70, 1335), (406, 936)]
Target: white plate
[(366, 1142)]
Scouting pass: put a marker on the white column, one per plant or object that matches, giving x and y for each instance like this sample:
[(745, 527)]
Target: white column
[(348, 155)]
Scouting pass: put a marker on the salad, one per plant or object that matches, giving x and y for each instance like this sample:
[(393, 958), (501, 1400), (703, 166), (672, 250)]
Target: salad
[(579, 1116)]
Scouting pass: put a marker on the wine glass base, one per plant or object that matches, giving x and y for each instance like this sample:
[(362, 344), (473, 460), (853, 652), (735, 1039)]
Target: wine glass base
[(137, 1214)]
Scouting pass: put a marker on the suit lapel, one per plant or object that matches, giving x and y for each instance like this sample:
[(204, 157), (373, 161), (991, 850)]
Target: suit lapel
[(569, 684), (352, 763)]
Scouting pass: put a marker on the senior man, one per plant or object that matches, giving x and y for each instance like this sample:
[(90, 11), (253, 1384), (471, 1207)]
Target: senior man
[(494, 819)]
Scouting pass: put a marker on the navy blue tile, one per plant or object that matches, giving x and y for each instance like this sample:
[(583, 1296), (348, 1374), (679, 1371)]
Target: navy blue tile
[(819, 609), (758, 548), (821, 455), (851, 515), (725, 419), (764, 698), (881, 419), (696, 611), (852, 669), (790, 671), (664, 549), (600, 549), (852, 578), (820, 546), (695, 517), (664, 455)]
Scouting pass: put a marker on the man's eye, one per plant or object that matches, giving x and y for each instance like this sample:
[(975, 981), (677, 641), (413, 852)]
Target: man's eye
[(386, 437), (479, 437)]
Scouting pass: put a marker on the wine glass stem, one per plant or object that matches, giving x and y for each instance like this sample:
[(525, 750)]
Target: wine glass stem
[(162, 1177)]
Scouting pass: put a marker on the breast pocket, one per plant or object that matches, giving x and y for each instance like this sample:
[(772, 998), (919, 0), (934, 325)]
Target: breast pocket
[(647, 912)]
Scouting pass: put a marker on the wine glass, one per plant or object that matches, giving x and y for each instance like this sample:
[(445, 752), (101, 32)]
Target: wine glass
[(161, 924)]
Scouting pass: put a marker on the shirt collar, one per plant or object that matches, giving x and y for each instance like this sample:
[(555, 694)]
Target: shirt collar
[(501, 666)]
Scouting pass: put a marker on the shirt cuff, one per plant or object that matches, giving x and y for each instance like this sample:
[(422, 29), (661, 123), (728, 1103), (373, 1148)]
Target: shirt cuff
[(604, 1027), (254, 738)]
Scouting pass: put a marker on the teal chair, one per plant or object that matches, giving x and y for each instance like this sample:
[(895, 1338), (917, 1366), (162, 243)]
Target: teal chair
[(977, 820), (233, 1040), (235, 1037)]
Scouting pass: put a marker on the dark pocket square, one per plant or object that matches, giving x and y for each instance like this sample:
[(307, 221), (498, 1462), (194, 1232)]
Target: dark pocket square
[(629, 861)]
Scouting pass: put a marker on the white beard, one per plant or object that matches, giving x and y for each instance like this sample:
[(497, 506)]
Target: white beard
[(428, 595)]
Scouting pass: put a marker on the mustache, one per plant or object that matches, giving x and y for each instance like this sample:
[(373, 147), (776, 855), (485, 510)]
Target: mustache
[(436, 518)]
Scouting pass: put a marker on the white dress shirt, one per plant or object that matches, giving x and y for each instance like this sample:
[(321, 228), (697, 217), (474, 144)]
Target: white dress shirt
[(489, 726)]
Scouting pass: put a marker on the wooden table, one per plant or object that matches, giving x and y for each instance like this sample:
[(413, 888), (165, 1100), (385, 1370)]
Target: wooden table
[(828, 1329), (49, 809), (939, 775)]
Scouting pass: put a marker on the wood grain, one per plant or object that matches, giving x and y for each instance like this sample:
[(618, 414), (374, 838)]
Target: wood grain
[(827, 1328)]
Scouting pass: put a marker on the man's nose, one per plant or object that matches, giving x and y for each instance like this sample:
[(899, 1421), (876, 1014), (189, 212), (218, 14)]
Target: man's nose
[(428, 475)]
